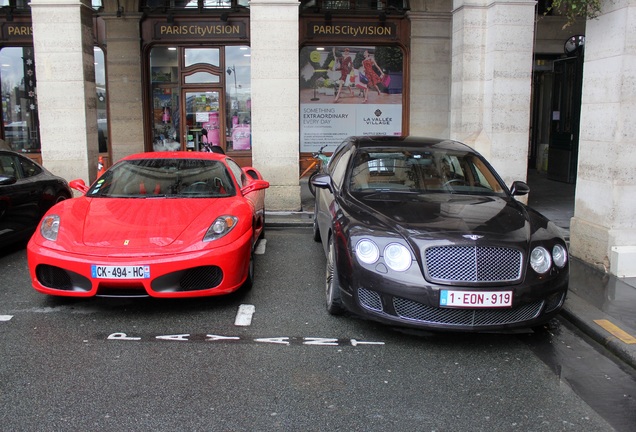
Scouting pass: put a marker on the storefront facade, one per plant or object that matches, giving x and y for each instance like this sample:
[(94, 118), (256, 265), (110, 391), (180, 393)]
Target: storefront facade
[(20, 119), (271, 81), (198, 74)]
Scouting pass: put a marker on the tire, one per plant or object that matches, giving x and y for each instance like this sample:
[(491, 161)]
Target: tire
[(261, 236), (316, 235), (249, 281), (332, 287), (311, 186)]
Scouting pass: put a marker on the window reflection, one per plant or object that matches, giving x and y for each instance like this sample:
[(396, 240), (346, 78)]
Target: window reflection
[(19, 99), (201, 55), (102, 103), (238, 97)]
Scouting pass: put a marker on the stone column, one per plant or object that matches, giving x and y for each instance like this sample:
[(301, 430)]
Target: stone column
[(430, 68), (124, 79), (491, 80), (67, 100), (275, 99), (603, 229)]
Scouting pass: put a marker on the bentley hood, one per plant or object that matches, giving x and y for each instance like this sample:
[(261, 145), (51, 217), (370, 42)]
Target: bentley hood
[(448, 215)]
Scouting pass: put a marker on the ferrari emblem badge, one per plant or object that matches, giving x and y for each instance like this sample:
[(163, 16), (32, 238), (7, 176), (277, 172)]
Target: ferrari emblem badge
[(126, 242)]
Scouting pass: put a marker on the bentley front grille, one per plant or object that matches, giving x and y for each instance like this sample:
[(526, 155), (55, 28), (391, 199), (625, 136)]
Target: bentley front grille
[(476, 264), (415, 311), (370, 299)]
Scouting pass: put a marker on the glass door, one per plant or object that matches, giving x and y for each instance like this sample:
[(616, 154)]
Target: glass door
[(204, 126)]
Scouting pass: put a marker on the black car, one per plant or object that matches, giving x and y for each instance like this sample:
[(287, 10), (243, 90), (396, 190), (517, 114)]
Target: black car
[(27, 191), (424, 233)]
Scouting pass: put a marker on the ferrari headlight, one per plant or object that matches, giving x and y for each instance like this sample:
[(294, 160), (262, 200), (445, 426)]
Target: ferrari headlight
[(559, 255), (367, 251), (540, 260), (50, 227), (397, 257), (220, 227)]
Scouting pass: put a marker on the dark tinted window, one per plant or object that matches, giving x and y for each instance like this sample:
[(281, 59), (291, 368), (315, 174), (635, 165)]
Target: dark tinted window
[(172, 178), (29, 169)]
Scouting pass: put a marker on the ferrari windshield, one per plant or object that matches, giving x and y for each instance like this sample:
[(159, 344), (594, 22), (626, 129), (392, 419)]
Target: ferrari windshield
[(173, 178), (407, 170)]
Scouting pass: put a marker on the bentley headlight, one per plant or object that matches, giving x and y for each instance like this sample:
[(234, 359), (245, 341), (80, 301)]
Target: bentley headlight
[(559, 255), (540, 260), (397, 257), (367, 251), (50, 227), (220, 227)]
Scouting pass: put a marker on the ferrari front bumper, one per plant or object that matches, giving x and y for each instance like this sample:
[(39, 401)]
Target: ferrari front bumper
[(209, 272)]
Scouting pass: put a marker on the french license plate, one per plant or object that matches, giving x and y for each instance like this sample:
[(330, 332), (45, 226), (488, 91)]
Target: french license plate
[(475, 299), (120, 272)]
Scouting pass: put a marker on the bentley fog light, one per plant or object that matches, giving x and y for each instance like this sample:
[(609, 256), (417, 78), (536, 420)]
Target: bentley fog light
[(559, 255), (221, 226), (397, 257), (367, 251), (540, 260), (50, 227)]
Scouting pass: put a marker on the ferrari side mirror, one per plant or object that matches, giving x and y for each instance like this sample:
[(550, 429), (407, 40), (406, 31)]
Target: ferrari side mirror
[(255, 185), (78, 185)]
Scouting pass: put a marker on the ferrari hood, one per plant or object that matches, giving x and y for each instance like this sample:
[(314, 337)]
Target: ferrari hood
[(434, 215), (138, 223)]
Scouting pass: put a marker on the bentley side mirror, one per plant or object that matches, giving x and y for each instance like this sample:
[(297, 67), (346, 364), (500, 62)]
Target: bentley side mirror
[(519, 188)]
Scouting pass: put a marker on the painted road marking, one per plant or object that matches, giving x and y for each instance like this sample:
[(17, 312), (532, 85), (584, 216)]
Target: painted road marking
[(5, 317), (244, 315), (616, 331), (215, 338)]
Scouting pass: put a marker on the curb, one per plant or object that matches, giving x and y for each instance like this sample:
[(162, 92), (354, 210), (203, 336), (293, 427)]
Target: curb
[(582, 315), (289, 219)]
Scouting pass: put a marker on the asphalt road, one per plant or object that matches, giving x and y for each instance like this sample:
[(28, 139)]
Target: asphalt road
[(144, 364)]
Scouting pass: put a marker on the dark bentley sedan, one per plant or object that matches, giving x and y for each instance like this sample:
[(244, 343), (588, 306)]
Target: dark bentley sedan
[(423, 233), (27, 191)]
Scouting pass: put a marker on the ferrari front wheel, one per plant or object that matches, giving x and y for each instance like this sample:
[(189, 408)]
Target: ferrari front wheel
[(332, 287), (249, 280)]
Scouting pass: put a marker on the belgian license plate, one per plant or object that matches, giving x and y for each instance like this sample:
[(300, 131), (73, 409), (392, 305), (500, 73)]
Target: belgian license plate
[(120, 272), (475, 299)]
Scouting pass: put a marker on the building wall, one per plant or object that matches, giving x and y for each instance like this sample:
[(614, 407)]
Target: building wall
[(603, 229), (491, 81), (430, 68), (275, 123), (63, 47)]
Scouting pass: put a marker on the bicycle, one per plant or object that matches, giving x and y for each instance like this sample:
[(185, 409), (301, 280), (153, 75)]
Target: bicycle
[(320, 160)]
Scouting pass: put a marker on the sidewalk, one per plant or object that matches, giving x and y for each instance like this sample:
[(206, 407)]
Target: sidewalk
[(600, 305)]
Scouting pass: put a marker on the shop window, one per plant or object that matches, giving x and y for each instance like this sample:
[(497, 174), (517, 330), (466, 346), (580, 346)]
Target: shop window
[(203, 56), (201, 78), (102, 103), (194, 4), (164, 77), (239, 97), (20, 122), (362, 6), (202, 100)]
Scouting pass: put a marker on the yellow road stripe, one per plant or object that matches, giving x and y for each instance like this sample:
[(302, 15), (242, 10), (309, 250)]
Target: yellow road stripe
[(616, 331)]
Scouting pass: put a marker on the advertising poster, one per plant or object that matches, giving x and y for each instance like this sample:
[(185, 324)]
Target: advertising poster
[(348, 91)]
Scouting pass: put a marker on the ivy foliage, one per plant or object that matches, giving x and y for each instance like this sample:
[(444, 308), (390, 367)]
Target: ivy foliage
[(575, 9)]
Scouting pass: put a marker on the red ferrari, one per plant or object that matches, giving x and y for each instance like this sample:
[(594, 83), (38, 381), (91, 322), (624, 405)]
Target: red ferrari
[(179, 224)]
